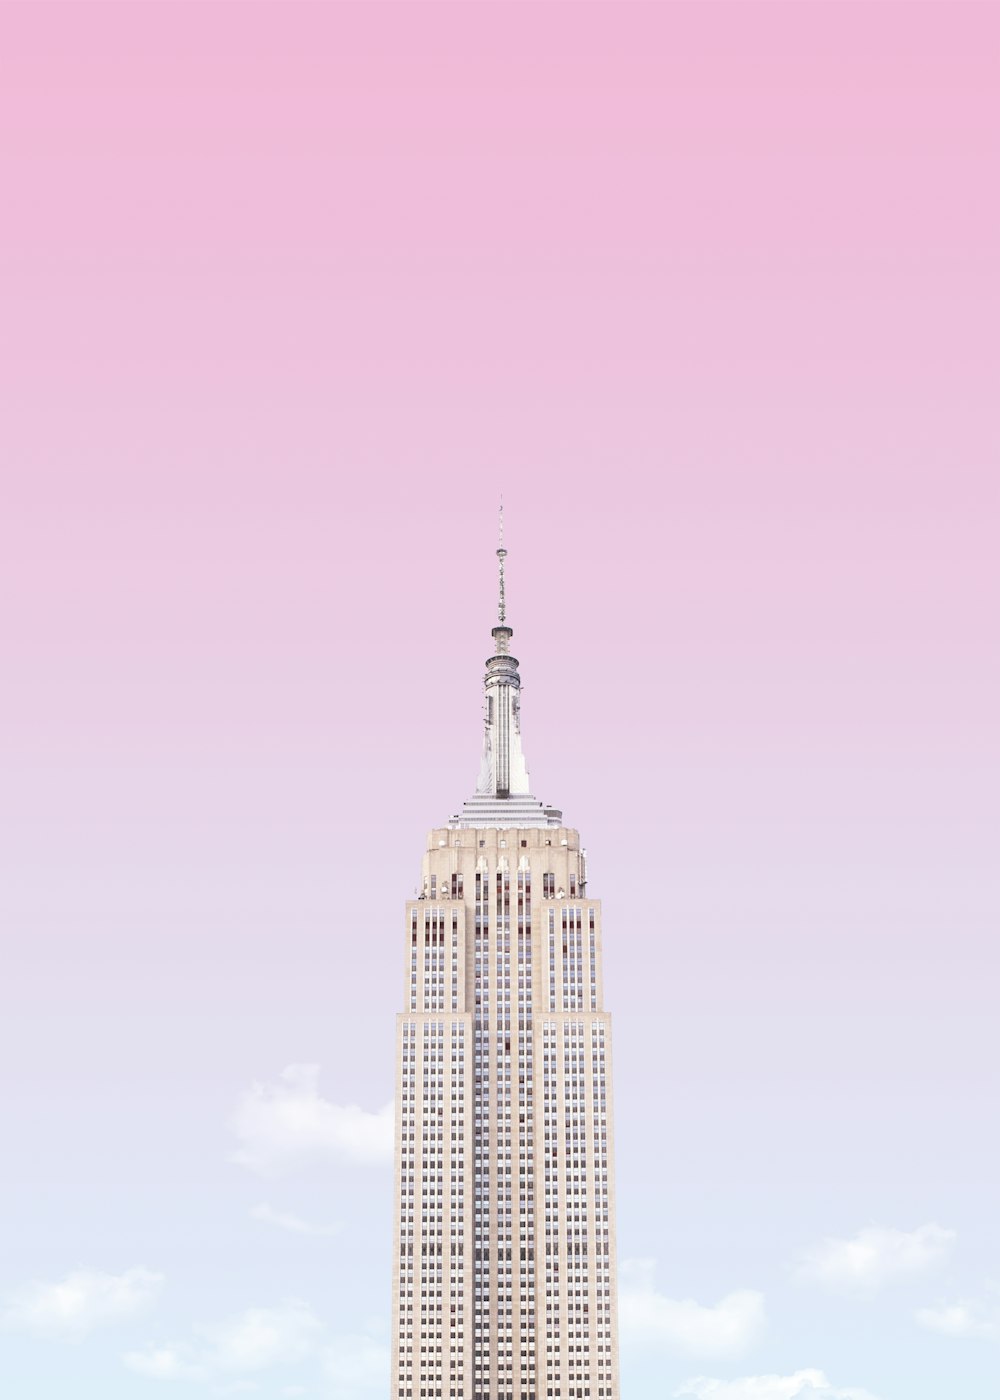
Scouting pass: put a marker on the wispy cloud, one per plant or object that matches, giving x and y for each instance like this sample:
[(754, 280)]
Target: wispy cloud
[(876, 1256), (803, 1385), (165, 1363), (967, 1317), (260, 1340), (263, 1337), (255, 1340), (286, 1125), (648, 1316), (285, 1220), (80, 1303)]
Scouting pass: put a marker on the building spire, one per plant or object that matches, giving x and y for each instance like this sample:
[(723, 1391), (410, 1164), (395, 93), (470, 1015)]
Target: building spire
[(503, 792), (503, 771)]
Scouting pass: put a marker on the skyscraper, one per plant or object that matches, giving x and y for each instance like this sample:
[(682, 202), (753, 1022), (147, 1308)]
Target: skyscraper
[(504, 1277)]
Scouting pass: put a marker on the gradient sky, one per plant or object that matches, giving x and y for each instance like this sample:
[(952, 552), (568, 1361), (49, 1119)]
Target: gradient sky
[(289, 295)]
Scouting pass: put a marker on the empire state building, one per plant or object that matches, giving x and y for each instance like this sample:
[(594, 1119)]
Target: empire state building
[(504, 1276)]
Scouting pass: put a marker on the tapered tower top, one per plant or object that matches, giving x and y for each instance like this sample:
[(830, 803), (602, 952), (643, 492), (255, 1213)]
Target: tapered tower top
[(503, 793)]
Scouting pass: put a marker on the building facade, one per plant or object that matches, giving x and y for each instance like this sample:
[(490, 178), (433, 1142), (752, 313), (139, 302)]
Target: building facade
[(504, 1274)]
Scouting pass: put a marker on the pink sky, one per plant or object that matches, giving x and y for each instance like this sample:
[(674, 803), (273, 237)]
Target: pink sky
[(288, 295)]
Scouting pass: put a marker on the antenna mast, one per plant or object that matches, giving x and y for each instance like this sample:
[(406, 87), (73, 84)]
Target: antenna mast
[(502, 555)]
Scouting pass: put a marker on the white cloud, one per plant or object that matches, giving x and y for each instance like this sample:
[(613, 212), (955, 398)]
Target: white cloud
[(804, 1385), (164, 1363), (261, 1339), (729, 1327), (875, 1256), (966, 1318), (253, 1341), (284, 1220), (286, 1125), (79, 1303)]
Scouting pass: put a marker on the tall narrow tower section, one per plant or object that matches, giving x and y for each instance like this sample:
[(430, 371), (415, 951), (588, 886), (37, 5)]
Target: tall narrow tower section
[(504, 1277)]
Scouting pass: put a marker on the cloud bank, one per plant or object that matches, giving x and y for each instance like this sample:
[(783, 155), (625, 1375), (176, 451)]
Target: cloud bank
[(79, 1304), (258, 1340), (803, 1385), (682, 1325), (965, 1318), (876, 1256), (286, 1125)]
